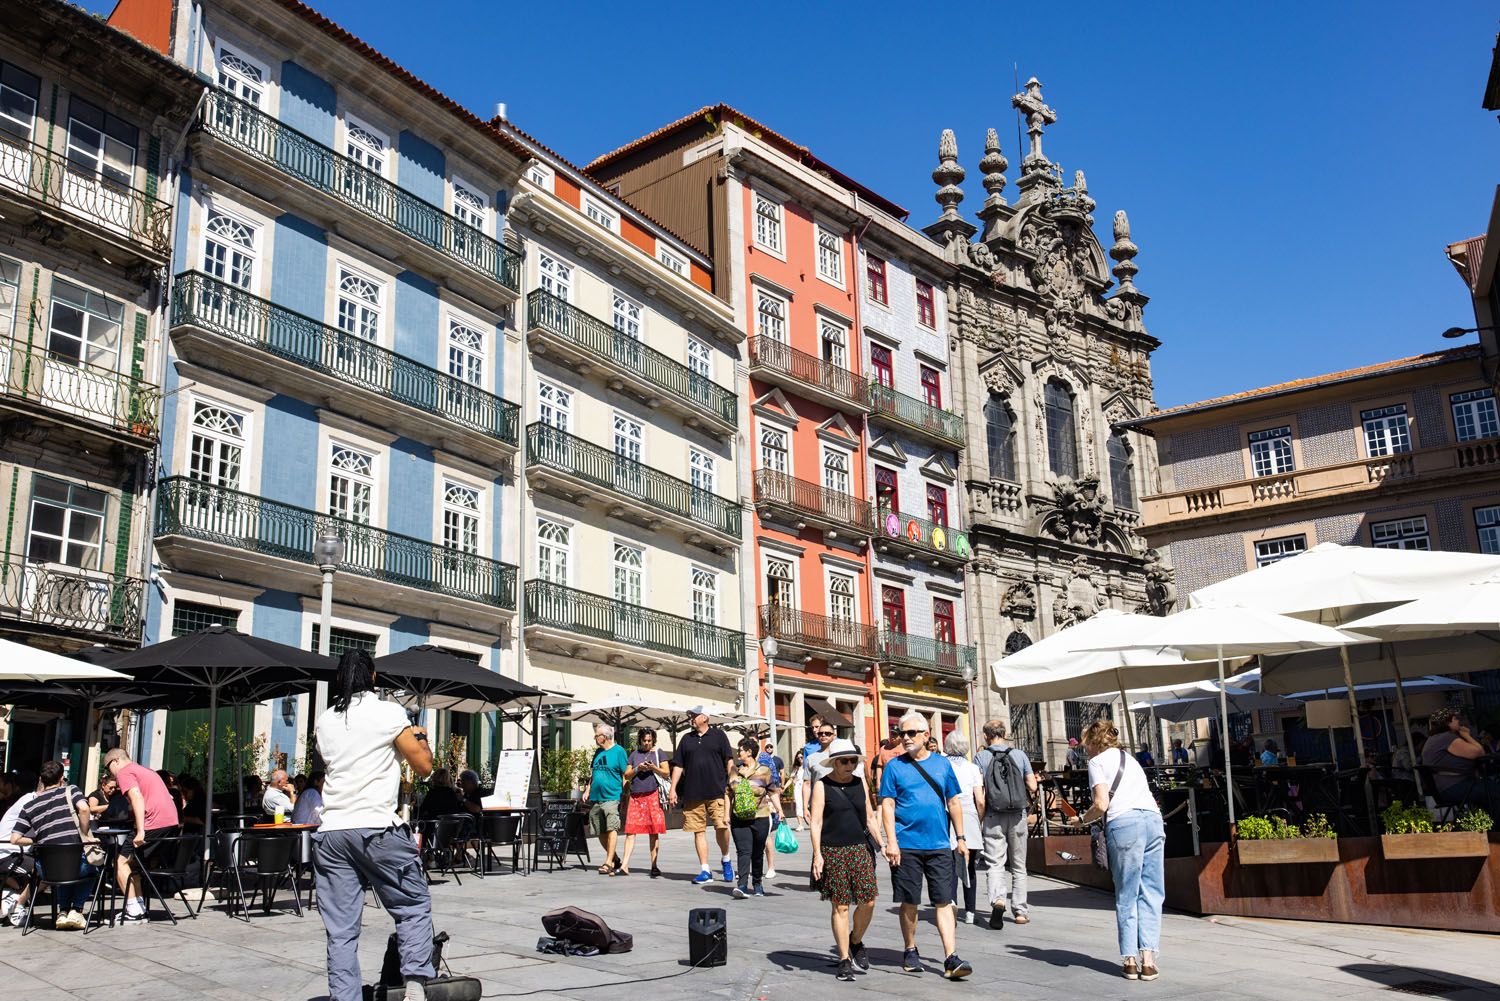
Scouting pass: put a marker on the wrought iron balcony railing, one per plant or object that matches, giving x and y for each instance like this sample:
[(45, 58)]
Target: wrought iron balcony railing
[(52, 179), (603, 341), (917, 415), (927, 654), (810, 370), (211, 513), (819, 632), (815, 502), (99, 395), (257, 134), (236, 314), (561, 607), (921, 535), (570, 454), (69, 600)]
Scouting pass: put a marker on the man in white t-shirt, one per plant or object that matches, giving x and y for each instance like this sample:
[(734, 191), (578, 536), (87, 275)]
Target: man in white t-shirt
[(362, 840)]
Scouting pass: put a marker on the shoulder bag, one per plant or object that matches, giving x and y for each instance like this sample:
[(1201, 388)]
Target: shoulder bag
[(1098, 839), (941, 798), (93, 852), (663, 790)]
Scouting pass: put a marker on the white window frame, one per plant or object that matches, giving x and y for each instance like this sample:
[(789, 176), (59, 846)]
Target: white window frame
[(29, 125), (829, 576), (555, 272), (250, 253), (62, 537), (768, 228), (1479, 412), (600, 214), (547, 525), (703, 469), (827, 452), (1387, 430), (705, 587), (554, 405), (768, 557), (10, 296), (627, 432), (452, 516), (464, 211), (627, 316), (353, 124), (1268, 551), (1401, 533), (840, 341), (700, 358), (359, 306), (1487, 528), (616, 566), (92, 338), (1271, 452), (220, 441), (678, 265), (541, 175), (772, 323), (830, 260), (786, 450), (243, 83), (462, 355), (356, 480)]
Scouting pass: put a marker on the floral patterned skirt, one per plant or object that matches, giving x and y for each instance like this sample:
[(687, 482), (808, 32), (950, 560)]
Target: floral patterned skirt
[(848, 874), (644, 815)]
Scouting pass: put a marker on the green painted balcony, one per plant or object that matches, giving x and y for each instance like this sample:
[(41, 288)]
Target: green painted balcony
[(97, 402), (915, 416), (558, 327), (213, 322), (623, 632), (255, 135), (819, 636), (73, 195), (202, 527), (928, 656), (47, 599), (896, 534), (561, 463)]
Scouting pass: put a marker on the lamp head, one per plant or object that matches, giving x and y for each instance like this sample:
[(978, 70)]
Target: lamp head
[(769, 646), (328, 550)]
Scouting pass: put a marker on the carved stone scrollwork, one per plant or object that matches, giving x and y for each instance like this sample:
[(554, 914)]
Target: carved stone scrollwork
[(1161, 591), (1019, 602), (1081, 595), (1078, 511)]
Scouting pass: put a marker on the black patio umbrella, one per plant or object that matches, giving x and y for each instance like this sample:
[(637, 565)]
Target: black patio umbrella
[(231, 667), (433, 678)]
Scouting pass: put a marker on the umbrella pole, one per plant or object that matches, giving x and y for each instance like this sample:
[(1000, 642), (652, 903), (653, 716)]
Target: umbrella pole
[(1224, 738), (1411, 747), (208, 812), (239, 777), (1125, 708), (1359, 738)]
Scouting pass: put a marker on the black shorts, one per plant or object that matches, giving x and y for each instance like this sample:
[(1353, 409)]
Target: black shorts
[(935, 867), (128, 849)]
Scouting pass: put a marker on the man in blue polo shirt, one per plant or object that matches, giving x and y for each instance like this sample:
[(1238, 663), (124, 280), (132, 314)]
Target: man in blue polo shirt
[(919, 800)]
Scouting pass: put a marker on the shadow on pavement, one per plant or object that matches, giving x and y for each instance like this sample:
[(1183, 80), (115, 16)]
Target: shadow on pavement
[(1439, 982), (1064, 957)]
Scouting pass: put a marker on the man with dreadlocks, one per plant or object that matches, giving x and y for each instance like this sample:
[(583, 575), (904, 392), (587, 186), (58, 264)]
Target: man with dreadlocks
[(362, 840)]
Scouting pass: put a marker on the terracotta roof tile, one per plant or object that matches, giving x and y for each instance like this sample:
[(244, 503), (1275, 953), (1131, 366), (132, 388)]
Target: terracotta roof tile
[(1379, 368), (721, 112)]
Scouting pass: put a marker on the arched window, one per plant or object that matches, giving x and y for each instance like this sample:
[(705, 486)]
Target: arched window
[(1062, 438), (1121, 470), (1000, 435)]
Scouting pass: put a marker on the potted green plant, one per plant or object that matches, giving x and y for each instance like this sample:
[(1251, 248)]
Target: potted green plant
[(583, 770), (559, 767), (1272, 840), (1411, 834)]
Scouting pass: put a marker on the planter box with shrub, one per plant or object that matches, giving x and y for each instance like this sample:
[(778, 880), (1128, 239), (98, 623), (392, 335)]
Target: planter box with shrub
[(1273, 841), (1410, 834)]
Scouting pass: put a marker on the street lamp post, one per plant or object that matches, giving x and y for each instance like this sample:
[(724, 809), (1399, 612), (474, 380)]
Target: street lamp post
[(969, 675), (328, 551), (768, 646)]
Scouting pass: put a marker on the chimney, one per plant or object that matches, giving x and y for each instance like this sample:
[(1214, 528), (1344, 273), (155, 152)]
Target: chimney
[(500, 109)]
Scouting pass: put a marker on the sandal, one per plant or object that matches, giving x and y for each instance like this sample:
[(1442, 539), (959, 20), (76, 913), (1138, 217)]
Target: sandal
[(606, 870), (655, 872), (1131, 970), (622, 871)]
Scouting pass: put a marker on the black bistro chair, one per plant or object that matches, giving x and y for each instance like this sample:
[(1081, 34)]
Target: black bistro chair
[(269, 860), (499, 830), (63, 866), (442, 847), (169, 867)]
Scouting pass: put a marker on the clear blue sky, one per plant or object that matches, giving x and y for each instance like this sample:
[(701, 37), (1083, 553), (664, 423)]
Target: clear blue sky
[(1292, 171)]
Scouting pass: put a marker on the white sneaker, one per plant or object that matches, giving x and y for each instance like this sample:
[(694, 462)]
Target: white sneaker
[(770, 874), (7, 904), (71, 921), (18, 917), (968, 917), (415, 991)]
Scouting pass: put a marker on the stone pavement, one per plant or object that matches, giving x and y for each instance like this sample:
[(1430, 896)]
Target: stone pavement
[(780, 947)]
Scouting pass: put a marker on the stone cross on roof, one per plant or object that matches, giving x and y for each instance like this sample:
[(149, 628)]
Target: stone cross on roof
[(1038, 116)]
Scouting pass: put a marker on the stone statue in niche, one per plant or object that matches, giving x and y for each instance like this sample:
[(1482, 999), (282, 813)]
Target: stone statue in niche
[(1079, 598), (1161, 591), (1079, 510)]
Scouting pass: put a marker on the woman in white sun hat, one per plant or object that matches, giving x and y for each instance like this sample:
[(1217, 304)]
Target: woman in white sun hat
[(845, 838)]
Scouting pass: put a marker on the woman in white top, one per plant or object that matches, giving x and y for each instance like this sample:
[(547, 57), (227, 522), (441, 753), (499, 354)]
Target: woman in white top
[(1135, 840), (971, 781)]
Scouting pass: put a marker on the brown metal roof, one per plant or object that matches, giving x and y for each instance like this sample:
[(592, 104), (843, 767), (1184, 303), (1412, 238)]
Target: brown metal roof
[(1466, 256), (719, 113), (1313, 382)]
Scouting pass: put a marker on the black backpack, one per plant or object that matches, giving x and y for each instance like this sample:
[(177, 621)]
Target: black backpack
[(1004, 783)]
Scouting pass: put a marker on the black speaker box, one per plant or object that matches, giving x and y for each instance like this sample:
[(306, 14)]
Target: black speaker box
[(708, 939)]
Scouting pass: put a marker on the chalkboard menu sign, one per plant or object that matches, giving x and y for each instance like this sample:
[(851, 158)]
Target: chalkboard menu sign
[(561, 833)]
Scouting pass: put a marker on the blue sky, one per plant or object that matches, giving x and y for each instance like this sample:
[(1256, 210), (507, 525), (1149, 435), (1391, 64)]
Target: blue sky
[(1292, 171)]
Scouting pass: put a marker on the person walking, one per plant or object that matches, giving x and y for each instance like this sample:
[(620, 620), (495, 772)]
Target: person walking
[(919, 800), (801, 794), (154, 814), (844, 841), (701, 767), (1009, 785), (362, 840), (752, 788), (606, 784), (644, 771), (59, 815), (971, 786), (1135, 841), (771, 760)]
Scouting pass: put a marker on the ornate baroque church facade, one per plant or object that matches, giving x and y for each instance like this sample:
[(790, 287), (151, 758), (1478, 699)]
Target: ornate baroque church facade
[(1048, 353)]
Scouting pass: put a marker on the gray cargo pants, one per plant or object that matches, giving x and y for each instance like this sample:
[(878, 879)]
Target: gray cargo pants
[(1005, 859), (387, 861)]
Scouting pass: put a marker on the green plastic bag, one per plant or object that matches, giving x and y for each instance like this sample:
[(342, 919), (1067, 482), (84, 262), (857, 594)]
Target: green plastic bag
[(786, 840)]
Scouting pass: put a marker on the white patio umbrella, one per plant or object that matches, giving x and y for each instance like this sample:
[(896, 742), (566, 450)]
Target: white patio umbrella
[(1233, 630), (19, 662), (1069, 664), (1468, 607), (1204, 703)]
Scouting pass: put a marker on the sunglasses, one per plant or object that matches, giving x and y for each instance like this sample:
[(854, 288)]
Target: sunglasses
[(846, 761), (827, 733), (911, 733)]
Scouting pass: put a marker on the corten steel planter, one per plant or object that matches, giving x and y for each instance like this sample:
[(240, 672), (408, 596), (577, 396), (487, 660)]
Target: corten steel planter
[(1448, 844), (1287, 851)]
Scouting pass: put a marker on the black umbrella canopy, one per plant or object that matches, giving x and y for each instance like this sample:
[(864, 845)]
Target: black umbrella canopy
[(434, 678), (220, 657)]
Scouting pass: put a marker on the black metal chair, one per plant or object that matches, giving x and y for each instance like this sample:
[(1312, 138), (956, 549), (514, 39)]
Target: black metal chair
[(223, 865), (1443, 812), (59, 865), (441, 847), (166, 867), (269, 860), (499, 830)]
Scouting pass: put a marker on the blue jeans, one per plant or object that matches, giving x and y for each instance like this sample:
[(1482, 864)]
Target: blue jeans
[(1136, 841), (73, 896)]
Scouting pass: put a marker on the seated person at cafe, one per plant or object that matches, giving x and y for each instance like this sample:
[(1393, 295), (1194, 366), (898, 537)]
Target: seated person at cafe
[(15, 867), (1451, 752), (56, 817), (441, 799), (1268, 755), (107, 802), (1179, 753), (469, 788), (280, 795), (194, 803), (1401, 758), (309, 809)]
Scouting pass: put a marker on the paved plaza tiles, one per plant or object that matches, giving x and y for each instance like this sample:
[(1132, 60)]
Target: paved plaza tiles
[(780, 948)]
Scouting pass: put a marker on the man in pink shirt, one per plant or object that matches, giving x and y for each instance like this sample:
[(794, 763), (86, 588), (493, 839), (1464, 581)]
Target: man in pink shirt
[(154, 814)]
